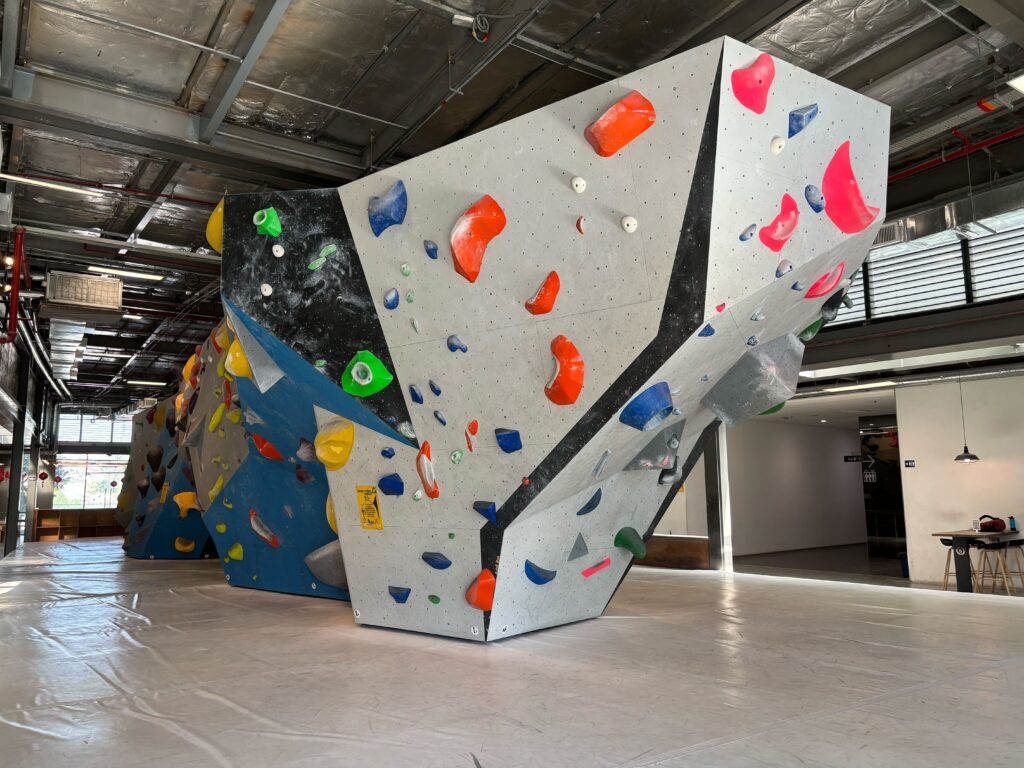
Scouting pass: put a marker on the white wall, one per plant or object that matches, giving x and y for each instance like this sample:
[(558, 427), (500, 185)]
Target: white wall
[(687, 515), (790, 488), (941, 495)]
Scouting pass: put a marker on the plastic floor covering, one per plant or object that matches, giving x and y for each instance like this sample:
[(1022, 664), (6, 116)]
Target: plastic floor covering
[(106, 661)]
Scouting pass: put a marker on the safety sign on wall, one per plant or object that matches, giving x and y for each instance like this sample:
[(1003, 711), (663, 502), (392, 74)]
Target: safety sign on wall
[(369, 507)]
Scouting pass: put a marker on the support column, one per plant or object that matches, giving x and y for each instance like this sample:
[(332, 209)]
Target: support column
[(32, 495), (17, 456), (716, 480)]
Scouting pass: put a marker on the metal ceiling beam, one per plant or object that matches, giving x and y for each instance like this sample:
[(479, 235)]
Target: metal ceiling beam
[(9, 44), (143, 214), (1005, 15), (261, 27)]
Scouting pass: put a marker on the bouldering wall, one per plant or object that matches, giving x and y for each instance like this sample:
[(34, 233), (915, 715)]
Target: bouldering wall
[(513, 345)]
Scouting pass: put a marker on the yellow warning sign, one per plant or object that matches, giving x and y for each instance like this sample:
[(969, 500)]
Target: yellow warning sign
[(369, 508), (163, 493)]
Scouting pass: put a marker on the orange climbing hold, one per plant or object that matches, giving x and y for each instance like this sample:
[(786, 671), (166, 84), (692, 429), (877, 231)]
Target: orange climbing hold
[(566, 384), (266, 448), (481, 223), (481, 592), (624, 121), (425, 469), (543, 300), (471, 430)]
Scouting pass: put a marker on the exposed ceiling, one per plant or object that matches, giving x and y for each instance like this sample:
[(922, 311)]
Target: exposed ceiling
[(160, 108)]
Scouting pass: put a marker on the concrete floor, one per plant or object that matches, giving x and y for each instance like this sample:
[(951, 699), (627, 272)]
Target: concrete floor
[(109, 662), (844, 563)]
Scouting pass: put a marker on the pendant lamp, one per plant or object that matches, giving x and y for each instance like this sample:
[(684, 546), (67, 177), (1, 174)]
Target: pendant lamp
[(966, 457)]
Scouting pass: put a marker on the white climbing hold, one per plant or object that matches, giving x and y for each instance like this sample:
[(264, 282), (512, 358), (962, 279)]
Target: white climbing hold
[(778, 144), (629, 224), (579, 185), (277, 249), (266, 289)]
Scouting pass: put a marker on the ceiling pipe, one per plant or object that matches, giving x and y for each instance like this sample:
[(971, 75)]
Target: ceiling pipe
[(969, 148)]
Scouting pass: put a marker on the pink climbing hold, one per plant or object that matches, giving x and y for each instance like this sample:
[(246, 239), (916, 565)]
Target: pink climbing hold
[(543, 300), (579, 225), (782, 227), (588, 572), (720, 307), (751, 85), (481, 223), (624, 121), (844, 203), (826, 283)]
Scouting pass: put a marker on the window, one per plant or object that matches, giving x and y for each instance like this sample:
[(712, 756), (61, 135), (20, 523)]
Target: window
[(997, 265), (918, 276), (92, 428), (88, 480)]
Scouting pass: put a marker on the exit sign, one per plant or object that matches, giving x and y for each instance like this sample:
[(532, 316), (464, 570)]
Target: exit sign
[(910, 463)]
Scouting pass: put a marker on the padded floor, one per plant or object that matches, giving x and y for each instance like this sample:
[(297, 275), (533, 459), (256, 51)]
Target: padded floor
[(108, 661)]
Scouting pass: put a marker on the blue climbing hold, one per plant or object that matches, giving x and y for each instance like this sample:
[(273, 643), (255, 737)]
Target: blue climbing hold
[(797, 286), (705, 378), (401, 594), (814, 198), (391, 299), (538, 575), (388, 209), (648, 409), (415, 394), (388, 453), (488, 509), (508, 440), (439, 415), (436, 560), (455, 344), (801, 118), (434, 388), (748, 233), (391, 485), (591, 505), (752, 341), (784, 268), (431, 248), (706, 331)]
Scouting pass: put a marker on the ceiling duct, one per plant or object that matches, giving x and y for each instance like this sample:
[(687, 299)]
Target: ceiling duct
[(72, 302), (67, 347)]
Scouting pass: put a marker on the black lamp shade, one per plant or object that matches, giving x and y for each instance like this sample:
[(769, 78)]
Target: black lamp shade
[(966, 457)]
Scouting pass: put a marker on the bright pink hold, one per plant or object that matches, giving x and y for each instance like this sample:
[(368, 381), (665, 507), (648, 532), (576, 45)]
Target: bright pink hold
[(844, 203), (751, 85), (720, 307), (588, 572), (782, 227), (826, 283)]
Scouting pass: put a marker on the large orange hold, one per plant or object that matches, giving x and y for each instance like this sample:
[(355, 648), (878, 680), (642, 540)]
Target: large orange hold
[(543, 300), (566, 384), (481, 592), (624, 121), (482, 222)]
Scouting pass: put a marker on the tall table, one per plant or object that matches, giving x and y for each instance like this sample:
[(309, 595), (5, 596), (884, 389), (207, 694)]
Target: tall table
[(962, 551)]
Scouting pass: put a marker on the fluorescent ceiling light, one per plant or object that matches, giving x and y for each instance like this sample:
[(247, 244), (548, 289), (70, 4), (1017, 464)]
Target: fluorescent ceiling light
[(133, 317), (855, 387), (141, 383), (1017, 83), (55, 185), (125, 273)]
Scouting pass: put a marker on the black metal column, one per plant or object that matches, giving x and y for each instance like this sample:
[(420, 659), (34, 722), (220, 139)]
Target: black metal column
[(17, 455), (965, 259), (713, 491), (38, 410)]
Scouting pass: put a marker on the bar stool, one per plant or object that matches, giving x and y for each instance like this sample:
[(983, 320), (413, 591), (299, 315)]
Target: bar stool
[(997, 570), (1015, 559), (973, 544)]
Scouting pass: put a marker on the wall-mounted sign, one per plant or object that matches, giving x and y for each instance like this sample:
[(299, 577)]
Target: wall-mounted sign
[(856, 458), (910, 463)]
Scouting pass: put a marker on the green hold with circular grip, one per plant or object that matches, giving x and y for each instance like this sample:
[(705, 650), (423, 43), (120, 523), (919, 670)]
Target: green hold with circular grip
[(629, 539), (773, 409), (811, 330), (365, 375), (267, 222)]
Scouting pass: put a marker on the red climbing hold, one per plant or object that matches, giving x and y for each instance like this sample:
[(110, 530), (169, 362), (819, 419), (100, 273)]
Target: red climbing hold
[(579, 225), (266, 448), (720, 307), (471, 430), (844, 203), (751, 85), (425, 469), (481, 592), (826, 283), (565, 385), (543, 300), (624, 121), (588, 572), (782, 227), (227, 393), (481, 223)]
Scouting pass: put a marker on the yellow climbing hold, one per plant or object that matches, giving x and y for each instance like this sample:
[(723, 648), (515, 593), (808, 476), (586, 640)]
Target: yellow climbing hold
[(186, 372), (221, 527), (331, 520), (222, 336), (235, 415), (184, 545), (217, 486), (334, 442), (215, 227), (179, 403), (220, 365), (186, 500), (236, 363), (228, 504), (159, 416), (235, 552), (218, 414)]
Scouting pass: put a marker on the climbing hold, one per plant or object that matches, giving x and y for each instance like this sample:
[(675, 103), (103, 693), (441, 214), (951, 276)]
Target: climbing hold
[(508, 440), (405, 430), (439, 415), (434, 387), (436, 560), (543, 300), (391, 485), (365, 375), (706, 331), (410, 296), (267, 222), (215, 417), (306, 450), (221, 527), (581, 225), (434, 599), (261, 529), (154, 456), (405, 269), (784, 268), (417, 494), (215, 227), (455, 344), (777, 145), (748, 233), (266, 448), (801, 118), (235, 415), (844, 203), (797, 286), (811, 330), (327, 250), (415, 324), (235, 362), (425, 469), (591, 505), (720, 307), (266, 289), (388, 209), (333, 443), (628, 224), (752, 341), (481, 592), (400, 594), (391, 299), (601, 464), (235, 552), (488, 509), (579, 548), (481, 223), (332, 521), (620, 124), (847, 301), (830, 307), (186, 500), (567, 382), (751, 84), (538, 575), (629, 539), (814, 198), (184, 545), (457, 455), (431, 248), (388, 453), (826, 283), (278, 250), (471, 429), (648, 409), (773, 409), (415, 394), (579, 184), (588, 572), (783, 225), (215, 490)]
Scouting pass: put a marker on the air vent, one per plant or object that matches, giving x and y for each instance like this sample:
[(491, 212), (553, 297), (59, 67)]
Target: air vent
[(890, 234), (78, 290)]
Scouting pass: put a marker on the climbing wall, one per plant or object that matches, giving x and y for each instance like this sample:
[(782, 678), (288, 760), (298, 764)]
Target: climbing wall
[(512, 345)]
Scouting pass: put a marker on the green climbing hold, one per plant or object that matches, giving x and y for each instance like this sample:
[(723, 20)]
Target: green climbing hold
[(320, 363), (316, 263), (328, 250), (365, 375), (417, 495), (457, 455), (406, 270), (267, 222), (434, 599), (773, 409), (811, 330), (410, 296), (451, 535), (630, 540)]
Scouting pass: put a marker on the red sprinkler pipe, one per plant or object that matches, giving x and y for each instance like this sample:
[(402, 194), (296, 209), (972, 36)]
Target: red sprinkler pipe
[(16, 268), (968, 149)]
